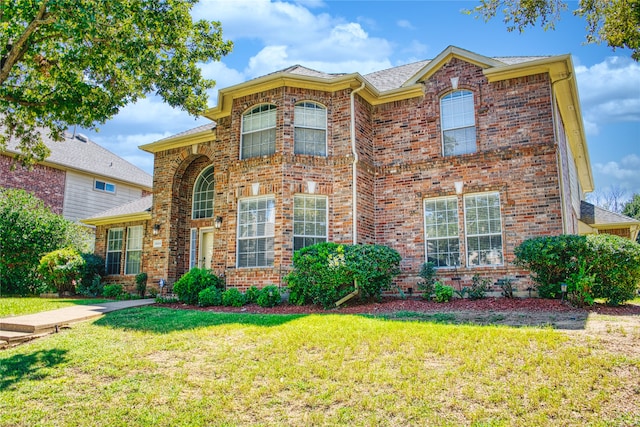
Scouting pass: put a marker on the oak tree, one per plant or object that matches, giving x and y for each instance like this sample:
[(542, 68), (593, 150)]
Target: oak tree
[(78, 62), (615, 22)]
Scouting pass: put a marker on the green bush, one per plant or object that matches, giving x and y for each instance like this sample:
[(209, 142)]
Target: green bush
[(29, 230), (443, 293), (232, 297), (210, 296), (580, 287), (113, 291), (141, 284), (269, 296), (426, 285), (251, 296), (326, 272), (612, 261), (61, 268), (615, 265), (479, 287), (90, 283), (195, 280)]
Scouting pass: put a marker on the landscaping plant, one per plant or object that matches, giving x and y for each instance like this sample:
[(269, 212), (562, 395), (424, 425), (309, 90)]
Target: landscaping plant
[(209, 296), (90, 283), (427, 284), (113, 291), (61, 268), (232, 297), (141, 284), (195, 280), (251, 295), (269, 296), (443, 293)]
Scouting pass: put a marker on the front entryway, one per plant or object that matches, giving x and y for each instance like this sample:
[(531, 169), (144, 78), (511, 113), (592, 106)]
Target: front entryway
[(206, 248)]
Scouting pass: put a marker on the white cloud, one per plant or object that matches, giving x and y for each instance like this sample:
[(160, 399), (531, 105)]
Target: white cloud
[(623, 173), (403, 23), (609, 92)]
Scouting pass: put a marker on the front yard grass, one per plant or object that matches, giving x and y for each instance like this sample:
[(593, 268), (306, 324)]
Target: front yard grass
[(17, 306), (154, 366)]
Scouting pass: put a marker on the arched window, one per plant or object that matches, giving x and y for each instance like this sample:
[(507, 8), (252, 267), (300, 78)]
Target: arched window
[(258, 132), (458, 123), (203, 193), (310, 120)]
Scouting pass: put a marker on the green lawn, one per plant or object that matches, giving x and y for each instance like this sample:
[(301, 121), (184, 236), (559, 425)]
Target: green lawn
[(18, 306), (155, 366)]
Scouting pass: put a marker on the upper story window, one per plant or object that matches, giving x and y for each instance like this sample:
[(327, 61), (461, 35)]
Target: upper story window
[(107, 187), (310, 120), (458, 123), (258, 132), (203, 193)]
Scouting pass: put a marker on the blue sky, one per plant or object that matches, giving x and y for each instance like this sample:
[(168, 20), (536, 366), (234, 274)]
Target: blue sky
[(365, 36)]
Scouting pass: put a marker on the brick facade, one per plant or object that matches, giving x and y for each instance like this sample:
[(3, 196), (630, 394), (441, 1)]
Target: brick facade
[(46, 183), (521, 156)]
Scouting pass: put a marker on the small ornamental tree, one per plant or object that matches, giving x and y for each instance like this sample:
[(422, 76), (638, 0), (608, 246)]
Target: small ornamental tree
[(61, 269)]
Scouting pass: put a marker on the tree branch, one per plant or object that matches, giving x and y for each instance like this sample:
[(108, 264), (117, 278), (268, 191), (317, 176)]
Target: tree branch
[(21, 45)]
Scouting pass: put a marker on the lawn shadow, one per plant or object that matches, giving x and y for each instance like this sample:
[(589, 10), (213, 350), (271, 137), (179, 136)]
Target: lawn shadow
[(26, 367), (162, 320)]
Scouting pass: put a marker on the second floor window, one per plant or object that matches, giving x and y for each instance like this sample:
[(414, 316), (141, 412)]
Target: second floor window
[(258, 132), (458, 123), (310, 121)]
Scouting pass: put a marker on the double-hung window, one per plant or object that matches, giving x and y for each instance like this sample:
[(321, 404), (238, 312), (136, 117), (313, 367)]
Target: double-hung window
[(258, 132), (114, 250), (458, 123), (310, 120), (134, 250), (484, 229), (203, 193), (256, 228), (442, 238), (309, 220)]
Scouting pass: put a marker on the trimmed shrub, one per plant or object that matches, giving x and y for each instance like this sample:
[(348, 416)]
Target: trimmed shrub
[(443, 293), (326, 272), (615, 265), (113, 291), (269, 296), (195, 280), (61, 268), (251, 296), (141, 284), (428, 275), (607, 265), (210, 296), (90, 283), (232, 297)]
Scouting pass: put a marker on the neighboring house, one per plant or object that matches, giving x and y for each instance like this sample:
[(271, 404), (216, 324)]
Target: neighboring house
[(79, 179), (455, 160)]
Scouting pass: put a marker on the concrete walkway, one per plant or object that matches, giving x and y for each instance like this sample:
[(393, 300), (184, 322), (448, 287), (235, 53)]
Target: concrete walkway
[(16, 329)]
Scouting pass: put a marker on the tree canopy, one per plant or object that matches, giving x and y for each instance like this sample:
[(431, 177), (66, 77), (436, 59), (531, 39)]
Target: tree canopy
[(78, 62), (615, 22)]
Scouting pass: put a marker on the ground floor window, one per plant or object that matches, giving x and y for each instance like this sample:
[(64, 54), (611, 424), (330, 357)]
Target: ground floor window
[(309, 220), (256, 228), (134, 250), (481, 232), (114, 250), (193, 250)]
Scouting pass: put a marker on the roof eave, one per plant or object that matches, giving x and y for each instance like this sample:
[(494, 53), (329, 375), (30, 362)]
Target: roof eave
[(179, 141), (106, 220)]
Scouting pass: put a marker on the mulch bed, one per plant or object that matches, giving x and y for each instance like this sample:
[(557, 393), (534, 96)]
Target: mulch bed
[(390, 305)]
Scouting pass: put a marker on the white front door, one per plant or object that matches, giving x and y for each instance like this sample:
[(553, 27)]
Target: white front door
[(206, 248)]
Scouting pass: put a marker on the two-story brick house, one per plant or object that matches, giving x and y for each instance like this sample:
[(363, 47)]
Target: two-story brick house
[(455, 160)]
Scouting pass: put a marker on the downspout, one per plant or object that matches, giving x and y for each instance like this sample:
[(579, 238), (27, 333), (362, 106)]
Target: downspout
[(563, 205), (354, 183)]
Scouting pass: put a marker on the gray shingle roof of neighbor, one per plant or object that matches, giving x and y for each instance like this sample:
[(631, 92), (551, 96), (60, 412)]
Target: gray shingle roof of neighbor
[(136, 206), (604, 216), (81, 154)]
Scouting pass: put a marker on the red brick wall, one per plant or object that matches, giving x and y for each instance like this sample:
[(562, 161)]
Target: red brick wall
[(44, 182)]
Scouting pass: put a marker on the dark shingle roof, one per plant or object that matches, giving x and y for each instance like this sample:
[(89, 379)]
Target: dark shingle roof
[(134, 207)]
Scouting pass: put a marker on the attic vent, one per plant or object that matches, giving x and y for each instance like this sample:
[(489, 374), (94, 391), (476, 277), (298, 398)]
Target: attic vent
[(82, 137)]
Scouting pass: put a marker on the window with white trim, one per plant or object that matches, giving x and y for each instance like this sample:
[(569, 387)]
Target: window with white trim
[(309, 220), (310, 136), (203, 195), (442, 237), (114, 250), (193, 249), (483, 226), (134, 250), (457, 114), (107, 187), (256, 228), (258, 132)]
